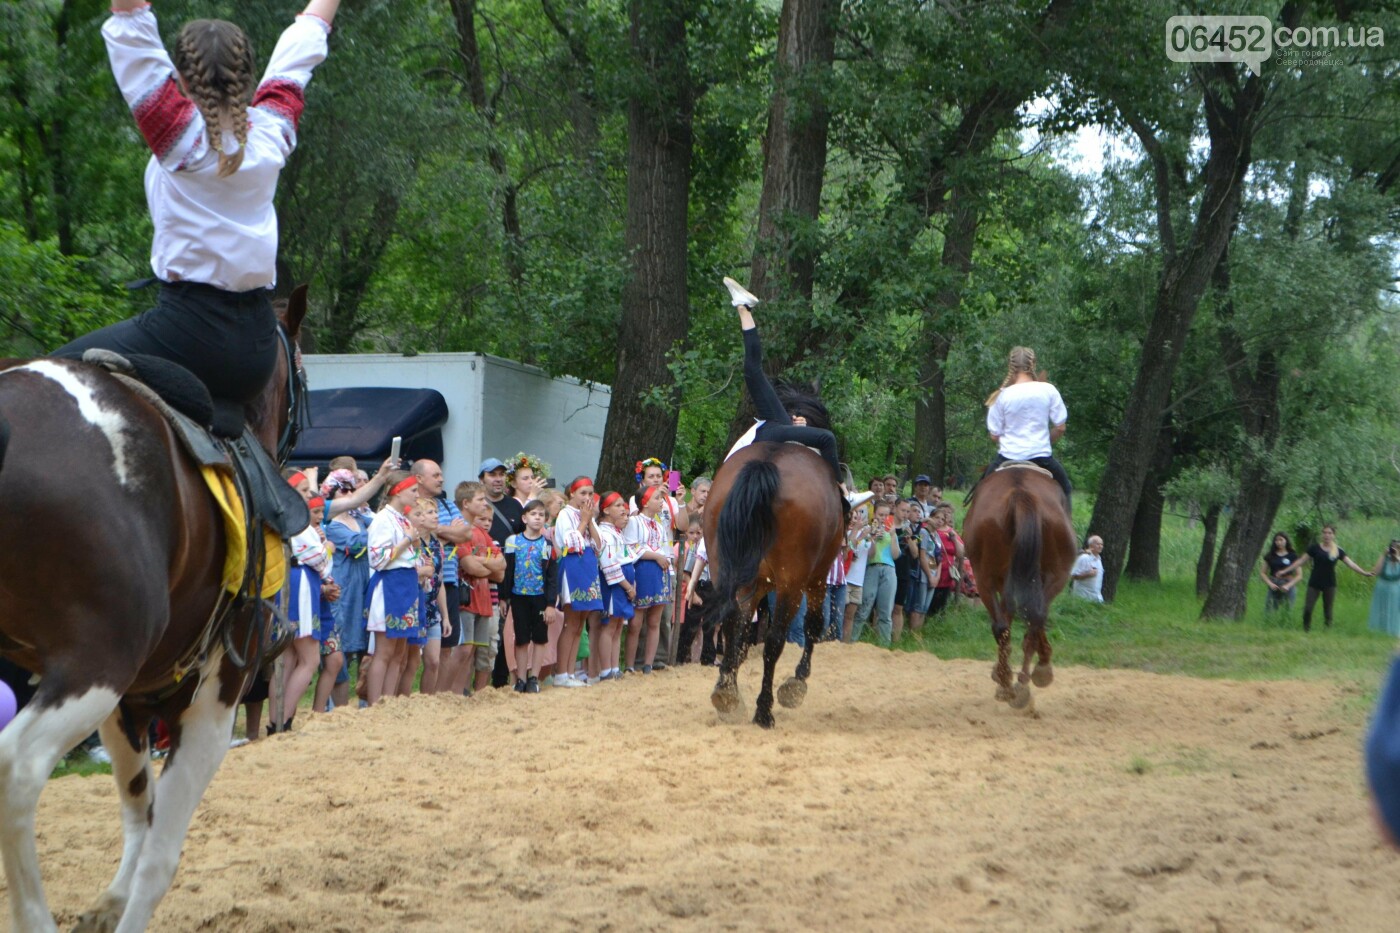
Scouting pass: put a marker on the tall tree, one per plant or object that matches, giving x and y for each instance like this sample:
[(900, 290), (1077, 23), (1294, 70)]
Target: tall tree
[(655, 309)]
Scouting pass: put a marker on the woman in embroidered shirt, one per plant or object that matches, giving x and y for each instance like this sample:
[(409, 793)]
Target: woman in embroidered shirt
[(394, 591), (576, 543), (219, 139), (617, 561), (348, 532), (648, 540)]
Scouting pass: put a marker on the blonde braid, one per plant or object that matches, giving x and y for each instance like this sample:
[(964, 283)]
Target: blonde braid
[(1019, 360), (216, 60)]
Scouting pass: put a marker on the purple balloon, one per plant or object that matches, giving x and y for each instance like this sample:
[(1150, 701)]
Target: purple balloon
[(7, 704)]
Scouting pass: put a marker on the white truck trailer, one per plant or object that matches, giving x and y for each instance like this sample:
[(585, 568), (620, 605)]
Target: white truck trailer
[(493, 408)]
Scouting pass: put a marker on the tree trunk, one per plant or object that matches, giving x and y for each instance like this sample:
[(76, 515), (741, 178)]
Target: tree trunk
[(1145, 547), (1211, 523), (1232, 112), (655, 314), (930, 410)]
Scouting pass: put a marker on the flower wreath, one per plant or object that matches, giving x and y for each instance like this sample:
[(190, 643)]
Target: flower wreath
[(648, 462), (540, 468)]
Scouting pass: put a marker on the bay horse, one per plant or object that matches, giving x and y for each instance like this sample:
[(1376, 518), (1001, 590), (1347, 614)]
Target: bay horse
[(774, 522), (110, 575), (1021, 544)]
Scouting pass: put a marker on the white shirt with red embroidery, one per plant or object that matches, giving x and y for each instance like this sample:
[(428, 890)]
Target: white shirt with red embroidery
[(219, 231), (309, 550)]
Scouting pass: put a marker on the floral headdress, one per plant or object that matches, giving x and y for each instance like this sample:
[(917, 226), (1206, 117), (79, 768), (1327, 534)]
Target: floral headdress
[(538, 466), (648, 462)]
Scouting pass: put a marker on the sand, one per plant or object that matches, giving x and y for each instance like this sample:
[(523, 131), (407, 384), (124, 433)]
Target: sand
[(901, 795)]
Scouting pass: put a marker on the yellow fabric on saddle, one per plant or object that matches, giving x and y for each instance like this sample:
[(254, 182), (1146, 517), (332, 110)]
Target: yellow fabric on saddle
[(236, 537)]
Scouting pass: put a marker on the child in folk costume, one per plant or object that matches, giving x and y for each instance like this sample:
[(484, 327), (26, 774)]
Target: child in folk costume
[(219, 140), (617, 560), (394, 591), (436, 623), (791, 415), (307, 597), (576, 541), (653, 570), (528, 588)]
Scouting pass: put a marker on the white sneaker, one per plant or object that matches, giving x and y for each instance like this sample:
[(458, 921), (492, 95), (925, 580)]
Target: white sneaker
[(564, 680), (857, 499), (580, 680), (738, 294)]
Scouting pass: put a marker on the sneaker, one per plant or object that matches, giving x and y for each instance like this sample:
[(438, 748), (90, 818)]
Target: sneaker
[(739, 295), (857, 499), (532, 685), (647, 668), (564, 680), (580, 680), (659, 666), (519, 685)]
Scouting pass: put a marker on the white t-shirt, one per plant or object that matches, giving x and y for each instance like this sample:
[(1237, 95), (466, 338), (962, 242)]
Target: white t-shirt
[(1021, 416), (855, 576), (1090, 588)]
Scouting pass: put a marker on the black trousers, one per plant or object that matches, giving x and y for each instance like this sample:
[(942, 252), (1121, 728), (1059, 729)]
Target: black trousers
[(1049, 463), (777, 423), (227, 339)]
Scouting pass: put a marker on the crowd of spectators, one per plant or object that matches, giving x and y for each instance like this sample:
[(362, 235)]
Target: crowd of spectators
[(508, 581)]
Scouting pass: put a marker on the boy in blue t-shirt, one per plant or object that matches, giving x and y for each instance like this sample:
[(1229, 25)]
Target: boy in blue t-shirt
[(527, 585)]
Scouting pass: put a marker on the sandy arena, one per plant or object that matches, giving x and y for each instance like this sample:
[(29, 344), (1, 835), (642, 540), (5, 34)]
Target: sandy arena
[(900, 795)]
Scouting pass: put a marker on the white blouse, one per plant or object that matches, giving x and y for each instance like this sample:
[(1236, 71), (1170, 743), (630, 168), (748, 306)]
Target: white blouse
[(219, 231), (569, 538), (389, 529), (309, 549), (616, 552)]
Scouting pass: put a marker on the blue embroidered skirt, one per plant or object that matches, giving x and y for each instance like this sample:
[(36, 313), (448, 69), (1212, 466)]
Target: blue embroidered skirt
[(616, 605), (578, 582)]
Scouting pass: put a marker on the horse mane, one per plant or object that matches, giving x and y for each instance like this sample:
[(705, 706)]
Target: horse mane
[(802, 399)]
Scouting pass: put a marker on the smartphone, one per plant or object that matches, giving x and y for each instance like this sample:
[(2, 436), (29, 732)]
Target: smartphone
[(673, 481), (394, 450)]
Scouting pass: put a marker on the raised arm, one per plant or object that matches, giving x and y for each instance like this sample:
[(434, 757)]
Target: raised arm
[(323, 10)]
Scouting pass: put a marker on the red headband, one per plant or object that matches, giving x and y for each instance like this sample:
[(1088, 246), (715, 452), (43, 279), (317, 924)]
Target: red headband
[(316, 502), (647, 495), (579, 483), (296, 479), (403, 484), (609, 499)]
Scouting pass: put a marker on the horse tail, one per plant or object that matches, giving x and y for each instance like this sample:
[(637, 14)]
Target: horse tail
[(746, 529), (1023, 592)]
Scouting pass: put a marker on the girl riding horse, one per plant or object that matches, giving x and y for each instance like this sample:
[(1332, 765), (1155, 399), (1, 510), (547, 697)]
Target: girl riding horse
[(1025, 415)]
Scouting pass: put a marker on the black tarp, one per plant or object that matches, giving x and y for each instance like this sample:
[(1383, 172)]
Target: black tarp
[(362, 423)]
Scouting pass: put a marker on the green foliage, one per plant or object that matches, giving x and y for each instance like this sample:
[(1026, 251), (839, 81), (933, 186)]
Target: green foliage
[(48, 298)]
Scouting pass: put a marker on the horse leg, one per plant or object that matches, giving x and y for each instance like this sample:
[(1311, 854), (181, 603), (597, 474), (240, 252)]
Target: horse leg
[(1044, 673), (1021, 692), (199, 739), (772, 650), (794, 689), (1001, 631), (30, 747), (131, 768), (725, 697)]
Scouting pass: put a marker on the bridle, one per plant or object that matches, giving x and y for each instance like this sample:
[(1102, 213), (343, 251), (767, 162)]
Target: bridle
[(297, 409)]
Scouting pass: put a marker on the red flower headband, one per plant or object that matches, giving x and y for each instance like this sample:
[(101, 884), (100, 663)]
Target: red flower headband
[(648, 462)]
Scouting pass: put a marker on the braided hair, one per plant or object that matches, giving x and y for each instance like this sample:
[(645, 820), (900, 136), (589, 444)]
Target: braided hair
[(215, 59), (1019, 360)]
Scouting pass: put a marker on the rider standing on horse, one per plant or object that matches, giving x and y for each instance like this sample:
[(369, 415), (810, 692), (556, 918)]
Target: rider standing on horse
[(1025, 416), (218, 141), (778, 420)]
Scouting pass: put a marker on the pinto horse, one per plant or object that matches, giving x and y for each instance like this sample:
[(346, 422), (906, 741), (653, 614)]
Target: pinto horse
[(1021, 544), (774, 521), (110, 576)]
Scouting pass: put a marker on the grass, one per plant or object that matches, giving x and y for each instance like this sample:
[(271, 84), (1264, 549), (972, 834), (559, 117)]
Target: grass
[(1157, 626)]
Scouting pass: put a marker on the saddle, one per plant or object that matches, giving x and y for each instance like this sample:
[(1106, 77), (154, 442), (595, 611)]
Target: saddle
[(1008, 465), (214, 434)]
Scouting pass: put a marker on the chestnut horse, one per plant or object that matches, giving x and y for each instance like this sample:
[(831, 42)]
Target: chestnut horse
[(109, 578), (1021, 544), (774, 521)]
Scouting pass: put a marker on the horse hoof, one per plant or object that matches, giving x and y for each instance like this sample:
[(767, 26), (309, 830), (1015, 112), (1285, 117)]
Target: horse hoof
[(1043, 675), (792, 693), (728, 705), (1021, 697), (1004, 694), (763, 720), (102, 918), (1022, 677)]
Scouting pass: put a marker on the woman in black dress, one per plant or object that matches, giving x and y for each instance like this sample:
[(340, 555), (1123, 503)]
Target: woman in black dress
[(1324, 555)]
